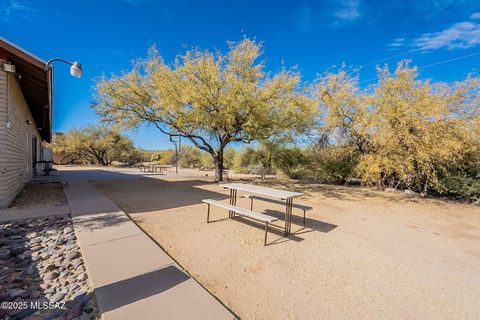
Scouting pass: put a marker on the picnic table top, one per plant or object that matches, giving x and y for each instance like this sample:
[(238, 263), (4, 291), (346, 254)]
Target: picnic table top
[(265, 191)]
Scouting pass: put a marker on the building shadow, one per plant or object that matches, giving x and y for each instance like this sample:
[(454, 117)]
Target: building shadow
[(121, 293)]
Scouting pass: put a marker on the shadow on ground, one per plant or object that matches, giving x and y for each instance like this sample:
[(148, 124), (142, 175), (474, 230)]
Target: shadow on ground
[(149, 194), (152, 195), (118, 294)]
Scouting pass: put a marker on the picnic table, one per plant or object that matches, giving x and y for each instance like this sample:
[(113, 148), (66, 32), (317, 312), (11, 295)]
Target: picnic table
[(152, 168), (282, 195)]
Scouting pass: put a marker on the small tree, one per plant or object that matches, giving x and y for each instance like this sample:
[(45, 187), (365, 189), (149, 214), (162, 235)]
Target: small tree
[(212, 99), (98, 143), (400, 132), (263, 156)]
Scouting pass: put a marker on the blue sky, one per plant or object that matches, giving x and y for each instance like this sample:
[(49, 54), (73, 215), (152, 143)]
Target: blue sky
[(442, 37)]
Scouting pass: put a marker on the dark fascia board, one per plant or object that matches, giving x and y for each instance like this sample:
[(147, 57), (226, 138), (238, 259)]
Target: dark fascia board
[(40, 66)]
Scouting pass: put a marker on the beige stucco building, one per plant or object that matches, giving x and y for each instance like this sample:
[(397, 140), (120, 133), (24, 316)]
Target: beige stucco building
[(25, 117)]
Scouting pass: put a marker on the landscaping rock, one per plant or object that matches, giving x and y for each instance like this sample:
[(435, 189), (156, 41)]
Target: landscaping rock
[(57, 297), (75, 310), (72, 255), (51, 275), (15, 293), (50, 267), (84, 316), (4, 254), (40, 261)]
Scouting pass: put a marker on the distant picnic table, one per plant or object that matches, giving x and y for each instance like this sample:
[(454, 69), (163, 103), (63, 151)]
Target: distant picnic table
[(151, 168)]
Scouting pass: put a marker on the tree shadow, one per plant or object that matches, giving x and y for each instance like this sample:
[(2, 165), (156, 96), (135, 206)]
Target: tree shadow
[(149, 194), (350, 193), (100, 220), (153, 195)]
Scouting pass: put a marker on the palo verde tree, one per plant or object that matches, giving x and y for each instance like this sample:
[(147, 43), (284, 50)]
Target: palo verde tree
[(403, 131), (263, 156), (209, 98), (99, 144)]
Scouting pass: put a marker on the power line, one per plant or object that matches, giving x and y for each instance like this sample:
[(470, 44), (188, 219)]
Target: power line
[(433, 64), (386, 59), (450, 60)]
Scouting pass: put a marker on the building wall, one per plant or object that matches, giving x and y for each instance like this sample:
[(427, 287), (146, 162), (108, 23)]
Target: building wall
[(16, 152)]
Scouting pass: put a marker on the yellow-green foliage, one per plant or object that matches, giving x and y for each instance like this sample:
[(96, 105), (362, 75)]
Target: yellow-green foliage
[(406, 132), (98, 144), (190, 157), (164, 157), (210, 98)]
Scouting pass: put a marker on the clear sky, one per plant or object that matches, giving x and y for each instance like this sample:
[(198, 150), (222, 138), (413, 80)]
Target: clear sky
[(442, 37)]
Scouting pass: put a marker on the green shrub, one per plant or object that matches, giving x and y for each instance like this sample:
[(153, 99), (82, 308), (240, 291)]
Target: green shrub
[(190, 157), (332, 164), (292, 162), (462, 185)]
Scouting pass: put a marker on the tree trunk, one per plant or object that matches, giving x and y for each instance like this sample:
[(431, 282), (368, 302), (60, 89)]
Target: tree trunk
[(218, 159)]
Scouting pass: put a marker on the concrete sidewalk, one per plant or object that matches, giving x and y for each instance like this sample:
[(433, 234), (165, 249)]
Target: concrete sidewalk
[(132, 277)]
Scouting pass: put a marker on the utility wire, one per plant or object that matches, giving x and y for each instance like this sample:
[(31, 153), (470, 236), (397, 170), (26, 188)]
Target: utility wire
[(386, 59), (433, 64), (450, 60)]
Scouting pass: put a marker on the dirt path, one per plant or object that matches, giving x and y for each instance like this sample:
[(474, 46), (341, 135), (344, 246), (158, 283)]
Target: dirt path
[(363, 255)]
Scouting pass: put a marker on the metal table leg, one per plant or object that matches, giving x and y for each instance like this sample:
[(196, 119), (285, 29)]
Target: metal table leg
[(288, 216), (230, 213), (233, 202)]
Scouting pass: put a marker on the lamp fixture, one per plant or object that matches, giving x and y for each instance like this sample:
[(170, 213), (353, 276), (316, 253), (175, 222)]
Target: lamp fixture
[(75, 67)]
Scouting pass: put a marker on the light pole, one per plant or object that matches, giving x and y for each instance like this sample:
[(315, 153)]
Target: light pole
[(75, 67), (75, 71)]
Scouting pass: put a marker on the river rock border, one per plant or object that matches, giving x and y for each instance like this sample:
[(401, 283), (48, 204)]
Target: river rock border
[(42, 273)]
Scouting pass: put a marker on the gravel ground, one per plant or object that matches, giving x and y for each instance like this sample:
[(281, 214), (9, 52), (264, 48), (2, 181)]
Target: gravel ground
[(40, 195), (363, 255), (42, 274)]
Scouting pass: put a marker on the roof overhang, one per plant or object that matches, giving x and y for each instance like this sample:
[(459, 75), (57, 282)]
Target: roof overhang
[(35, 82)]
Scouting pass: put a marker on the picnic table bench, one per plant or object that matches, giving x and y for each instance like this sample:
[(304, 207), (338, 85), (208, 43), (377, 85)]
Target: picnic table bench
[(242, 212), (266, 194), (298, 206)]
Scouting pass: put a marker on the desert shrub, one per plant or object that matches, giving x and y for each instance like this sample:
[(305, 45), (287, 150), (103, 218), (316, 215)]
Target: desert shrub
[(241, 162), (229, 157), (190, 157), (331, 163), (462, 180), (207, 161), (165, 157), (462, 185), (258, 160), (292, 162)]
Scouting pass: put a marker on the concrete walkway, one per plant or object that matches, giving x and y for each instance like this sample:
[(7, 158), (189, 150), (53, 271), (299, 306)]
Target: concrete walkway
[(132, 277)]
